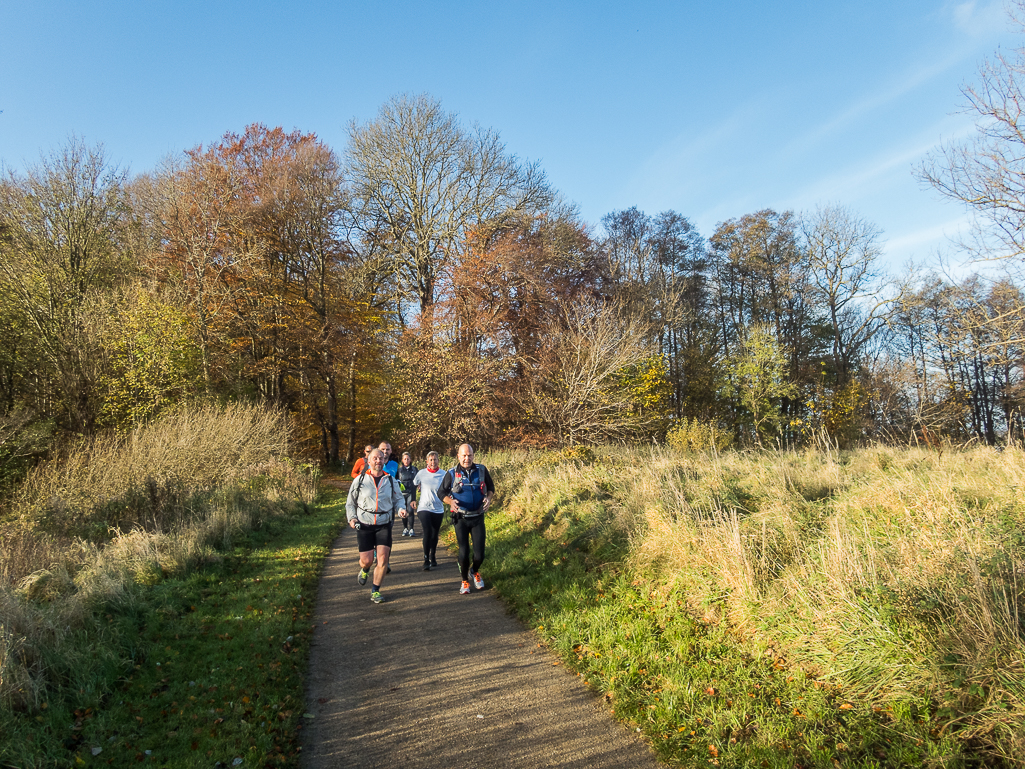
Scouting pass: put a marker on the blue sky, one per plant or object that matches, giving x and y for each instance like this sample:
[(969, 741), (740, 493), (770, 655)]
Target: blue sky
[(712, 109)]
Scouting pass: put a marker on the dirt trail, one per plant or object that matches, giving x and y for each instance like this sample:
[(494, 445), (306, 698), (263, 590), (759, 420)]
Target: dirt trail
[(436, 680)]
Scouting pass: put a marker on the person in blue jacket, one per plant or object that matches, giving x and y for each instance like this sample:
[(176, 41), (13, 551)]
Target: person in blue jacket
[(390, 465), (468, 490)]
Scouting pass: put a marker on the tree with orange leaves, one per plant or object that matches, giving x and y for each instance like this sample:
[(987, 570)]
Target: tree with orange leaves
[(255, 239), (489, 368), (199, 202)]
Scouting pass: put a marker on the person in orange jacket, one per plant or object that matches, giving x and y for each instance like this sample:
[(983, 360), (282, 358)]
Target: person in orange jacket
[(361, 463)]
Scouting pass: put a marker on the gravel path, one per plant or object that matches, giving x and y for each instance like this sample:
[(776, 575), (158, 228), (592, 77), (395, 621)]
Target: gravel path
[(434, 680)]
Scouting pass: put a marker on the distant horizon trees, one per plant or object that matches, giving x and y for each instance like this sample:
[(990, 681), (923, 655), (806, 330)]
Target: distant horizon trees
[(430, 286)]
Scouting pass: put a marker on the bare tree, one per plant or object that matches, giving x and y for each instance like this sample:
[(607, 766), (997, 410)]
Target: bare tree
[(656, 267), (986, 172), (580, 389), (420, 181), (965, 344), (843, 251)]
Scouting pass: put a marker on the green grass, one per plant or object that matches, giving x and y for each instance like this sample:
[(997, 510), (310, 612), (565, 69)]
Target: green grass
[(216, 664)]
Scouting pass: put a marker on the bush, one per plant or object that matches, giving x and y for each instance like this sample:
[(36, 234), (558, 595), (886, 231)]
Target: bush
[(693, 435), (23, 442)]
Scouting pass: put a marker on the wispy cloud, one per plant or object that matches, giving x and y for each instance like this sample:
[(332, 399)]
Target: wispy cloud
[(685, 148), (920, 241), (684, 160), (977, 19), (678, 160), (888, 94), (865, 176), (732, 167)]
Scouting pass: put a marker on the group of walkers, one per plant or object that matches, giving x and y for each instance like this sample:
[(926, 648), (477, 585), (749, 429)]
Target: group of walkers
[(383, 489)]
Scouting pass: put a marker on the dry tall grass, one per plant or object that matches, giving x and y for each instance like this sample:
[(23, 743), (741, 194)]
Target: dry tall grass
[(897, 573), (118, 512)]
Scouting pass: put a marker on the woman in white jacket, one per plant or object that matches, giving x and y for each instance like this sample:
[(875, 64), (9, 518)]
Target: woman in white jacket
[(430, 509), (373, 502)]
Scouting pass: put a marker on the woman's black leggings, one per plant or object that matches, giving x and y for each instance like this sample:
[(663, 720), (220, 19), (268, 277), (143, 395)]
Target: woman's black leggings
[(407, 522), (466, 528), (431, 525)]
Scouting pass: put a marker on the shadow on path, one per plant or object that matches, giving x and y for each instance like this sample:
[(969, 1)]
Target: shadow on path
[(436, 680)]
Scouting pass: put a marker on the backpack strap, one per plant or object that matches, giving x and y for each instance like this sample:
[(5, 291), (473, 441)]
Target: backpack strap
[(362, 475)]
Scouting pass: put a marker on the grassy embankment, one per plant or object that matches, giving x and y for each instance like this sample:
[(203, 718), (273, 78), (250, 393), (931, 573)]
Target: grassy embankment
[(780, 610), (747, 610), (155, 599)]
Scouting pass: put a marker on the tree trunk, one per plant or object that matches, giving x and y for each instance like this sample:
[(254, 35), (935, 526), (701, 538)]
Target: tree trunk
[(350, 451), (331, 420)]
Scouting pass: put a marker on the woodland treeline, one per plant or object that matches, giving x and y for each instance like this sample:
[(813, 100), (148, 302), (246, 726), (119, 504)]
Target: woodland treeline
[(428, 285)]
